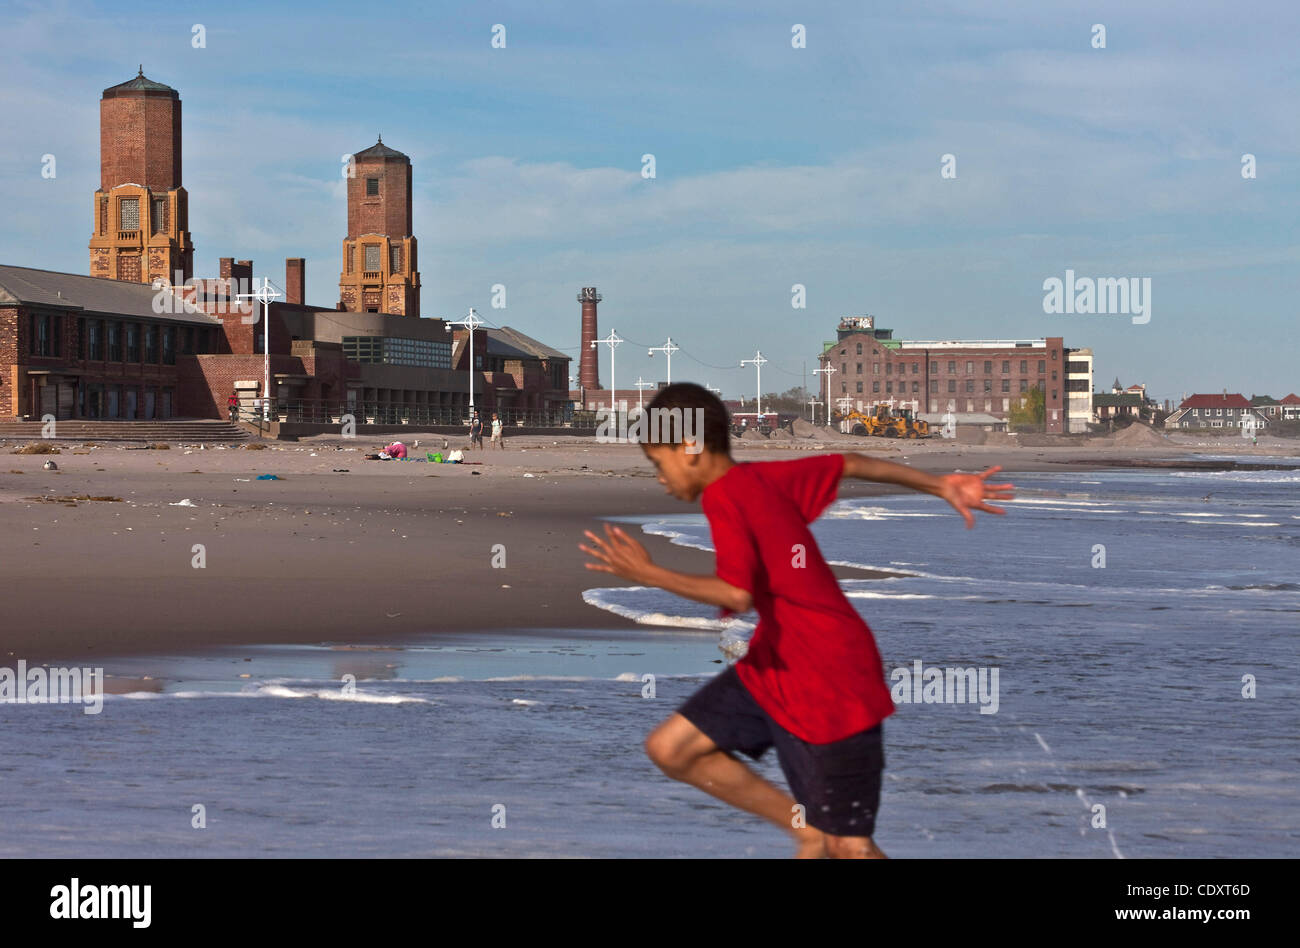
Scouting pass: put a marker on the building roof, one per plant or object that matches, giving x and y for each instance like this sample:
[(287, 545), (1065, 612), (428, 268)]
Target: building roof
[(1292, 399), (1116, 399), (380, 150), (140, 84), (514, 344), (72, 291), (1224, 400)]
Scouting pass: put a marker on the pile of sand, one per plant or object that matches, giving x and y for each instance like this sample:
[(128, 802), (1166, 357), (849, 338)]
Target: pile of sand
[(804, 429), (1137, 435), (753, 434), (781, 434)]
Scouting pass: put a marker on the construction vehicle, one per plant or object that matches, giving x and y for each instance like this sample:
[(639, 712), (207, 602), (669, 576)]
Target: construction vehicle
[(885, 422)]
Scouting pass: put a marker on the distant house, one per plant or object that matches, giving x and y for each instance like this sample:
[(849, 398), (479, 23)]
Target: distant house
[(1124, 404), (1216, 411)]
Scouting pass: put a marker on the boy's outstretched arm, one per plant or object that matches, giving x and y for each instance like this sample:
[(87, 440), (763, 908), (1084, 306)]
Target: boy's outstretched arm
[(966, 492), (623, 556)]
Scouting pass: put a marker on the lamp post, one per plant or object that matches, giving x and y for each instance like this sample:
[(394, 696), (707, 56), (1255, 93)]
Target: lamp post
[(827, 370), (265, 293), (470, 322), (758, 362), (812, 412), (640, 387), (668, 348), (612, 340)]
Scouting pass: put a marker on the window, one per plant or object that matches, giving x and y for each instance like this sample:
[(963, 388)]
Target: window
[(875, 368), (916, 387), (889, 368), (1006, 366), (114, 341), (169, 345), (916, 368), (158, 215), (1024, 386), (889, 388), (952, 385), (1042, 366), (844, 388), (57, 336), (372, 187), (1024, 368), (859, 348), (952, 366), (859, 372), (95, 346), (151, 344), (103, 215), (1053, 355), (1053, 394), (132, 342), (372, 257), (970, 385), (128, 213), (347, 257), (934, 368), (395, 258), (189, 340), (859, 387), (875, 387), (934, 386), (1006, 385), (988, 386), (970, 368), (844, 367)]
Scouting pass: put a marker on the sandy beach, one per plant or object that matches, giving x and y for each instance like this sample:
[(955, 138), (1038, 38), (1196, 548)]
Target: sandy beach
[(344, 550)]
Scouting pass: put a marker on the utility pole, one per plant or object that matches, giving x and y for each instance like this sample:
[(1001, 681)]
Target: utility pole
[(640, 386), (470, 322)]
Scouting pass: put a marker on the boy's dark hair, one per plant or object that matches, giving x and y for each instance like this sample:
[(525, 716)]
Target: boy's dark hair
[(688, 396)]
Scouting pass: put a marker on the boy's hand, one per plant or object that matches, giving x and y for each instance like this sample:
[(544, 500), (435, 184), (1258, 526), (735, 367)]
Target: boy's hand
[(967, 492), (622, 555)]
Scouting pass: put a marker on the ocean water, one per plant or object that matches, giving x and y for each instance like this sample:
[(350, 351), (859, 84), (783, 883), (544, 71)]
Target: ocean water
[(1120, 729)]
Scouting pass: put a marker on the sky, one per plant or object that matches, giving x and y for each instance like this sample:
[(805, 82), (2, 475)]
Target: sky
[(819, 165)]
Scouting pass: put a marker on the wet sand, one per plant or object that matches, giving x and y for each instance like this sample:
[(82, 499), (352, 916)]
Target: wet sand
[(383, 551)]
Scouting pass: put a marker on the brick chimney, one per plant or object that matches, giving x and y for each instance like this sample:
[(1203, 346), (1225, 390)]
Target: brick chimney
[(589, 362), (295, 277)]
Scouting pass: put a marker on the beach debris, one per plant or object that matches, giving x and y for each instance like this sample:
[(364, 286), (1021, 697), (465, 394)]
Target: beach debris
[(392, 615), (505, 585), (503, 513), (38, 448), (526, 474), (50, 466), (254, 446), (72, 499), (183, 503), (244, 479), (158, 446), (476, 473), (269, 477), (340, 470)]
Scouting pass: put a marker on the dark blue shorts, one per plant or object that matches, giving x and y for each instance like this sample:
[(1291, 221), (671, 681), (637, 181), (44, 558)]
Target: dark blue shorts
[(837, 783)]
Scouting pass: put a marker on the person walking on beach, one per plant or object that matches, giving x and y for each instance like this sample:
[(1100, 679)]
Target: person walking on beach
[(496, 432), (476, 431), (812, 683)]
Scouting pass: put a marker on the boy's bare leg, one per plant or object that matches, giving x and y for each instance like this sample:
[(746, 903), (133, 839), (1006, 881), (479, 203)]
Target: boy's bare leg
[(685, 753), (853, 847)]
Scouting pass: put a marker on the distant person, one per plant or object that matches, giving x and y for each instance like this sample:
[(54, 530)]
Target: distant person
[(396, 450), (496, 432), (476, 431), (812, 682), (232, 403)]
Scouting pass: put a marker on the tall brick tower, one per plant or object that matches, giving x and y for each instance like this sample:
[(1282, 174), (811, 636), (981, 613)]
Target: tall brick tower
[(379, 255), (589, 361), (141, 211)]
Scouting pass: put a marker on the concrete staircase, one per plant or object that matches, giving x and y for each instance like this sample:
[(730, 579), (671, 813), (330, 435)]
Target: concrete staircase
[(194, 429)]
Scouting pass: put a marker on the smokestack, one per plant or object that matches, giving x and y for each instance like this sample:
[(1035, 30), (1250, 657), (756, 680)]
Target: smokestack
[(295, 278), (589, 361)]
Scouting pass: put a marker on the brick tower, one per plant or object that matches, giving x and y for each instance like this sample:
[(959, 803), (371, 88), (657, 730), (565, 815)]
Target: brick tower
[(588, 360), (379, 255), (141, 212)]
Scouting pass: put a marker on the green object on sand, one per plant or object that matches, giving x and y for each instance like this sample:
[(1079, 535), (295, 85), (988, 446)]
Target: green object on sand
[(435, 458)]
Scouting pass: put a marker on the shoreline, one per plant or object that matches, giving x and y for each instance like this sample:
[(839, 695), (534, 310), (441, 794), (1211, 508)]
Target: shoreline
[(343, 551)]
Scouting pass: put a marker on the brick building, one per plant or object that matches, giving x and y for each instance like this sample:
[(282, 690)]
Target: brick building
[(140, 338), (966, 377)]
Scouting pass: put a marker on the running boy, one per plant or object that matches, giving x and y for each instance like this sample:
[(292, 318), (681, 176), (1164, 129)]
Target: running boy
[(812, 683)]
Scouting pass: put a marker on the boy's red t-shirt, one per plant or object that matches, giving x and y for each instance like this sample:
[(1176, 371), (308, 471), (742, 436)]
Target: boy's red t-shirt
[(812, 662)]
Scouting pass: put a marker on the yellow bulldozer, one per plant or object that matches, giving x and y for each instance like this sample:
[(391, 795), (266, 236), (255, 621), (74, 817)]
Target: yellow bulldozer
[(886, 422)]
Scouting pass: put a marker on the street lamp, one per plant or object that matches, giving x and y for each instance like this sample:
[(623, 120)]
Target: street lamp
[(265, 293), (668, 348), (470, 322)]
